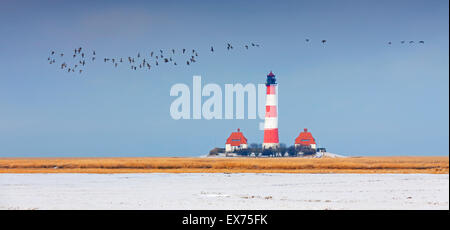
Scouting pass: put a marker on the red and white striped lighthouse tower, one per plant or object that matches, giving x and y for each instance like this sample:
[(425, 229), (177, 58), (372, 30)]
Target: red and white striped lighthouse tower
[(271, 118)]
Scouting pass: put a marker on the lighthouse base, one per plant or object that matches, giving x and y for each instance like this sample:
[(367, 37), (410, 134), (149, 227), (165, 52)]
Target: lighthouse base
[(270, 145)]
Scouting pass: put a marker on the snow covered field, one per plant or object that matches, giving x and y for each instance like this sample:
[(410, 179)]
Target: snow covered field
[(224, 191)]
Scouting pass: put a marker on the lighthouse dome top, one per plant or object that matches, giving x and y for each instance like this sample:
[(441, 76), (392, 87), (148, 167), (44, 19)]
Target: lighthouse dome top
[(271, 79)]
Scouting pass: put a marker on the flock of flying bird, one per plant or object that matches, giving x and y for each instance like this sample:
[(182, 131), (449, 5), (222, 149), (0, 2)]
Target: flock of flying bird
[(80, 58), (79, 63), (410, 42)]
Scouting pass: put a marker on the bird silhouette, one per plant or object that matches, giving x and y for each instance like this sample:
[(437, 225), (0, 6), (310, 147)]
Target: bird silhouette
[(212, 49), (323, 41), (422, 42), (307, 40)]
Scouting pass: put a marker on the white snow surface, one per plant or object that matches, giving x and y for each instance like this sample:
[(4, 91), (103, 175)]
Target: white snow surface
[(224, 191)]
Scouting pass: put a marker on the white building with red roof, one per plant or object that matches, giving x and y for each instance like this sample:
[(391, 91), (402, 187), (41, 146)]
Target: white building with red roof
[(305, 138), (236, 141)]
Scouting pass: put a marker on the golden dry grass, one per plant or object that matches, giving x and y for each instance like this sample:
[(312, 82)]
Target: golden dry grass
[(226, 165)]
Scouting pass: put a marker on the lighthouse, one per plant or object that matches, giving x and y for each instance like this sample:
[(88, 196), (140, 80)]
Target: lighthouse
[(271, 118)]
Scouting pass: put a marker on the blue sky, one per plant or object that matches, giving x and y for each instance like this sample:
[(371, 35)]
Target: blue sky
[(356, 94)]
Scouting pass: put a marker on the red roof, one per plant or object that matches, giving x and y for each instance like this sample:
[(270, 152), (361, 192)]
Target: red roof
[(271, 74), (305, 138), (236, 138)]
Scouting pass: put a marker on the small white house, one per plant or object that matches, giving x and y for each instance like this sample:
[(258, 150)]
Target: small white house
[(236, 141), (305, 138)]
